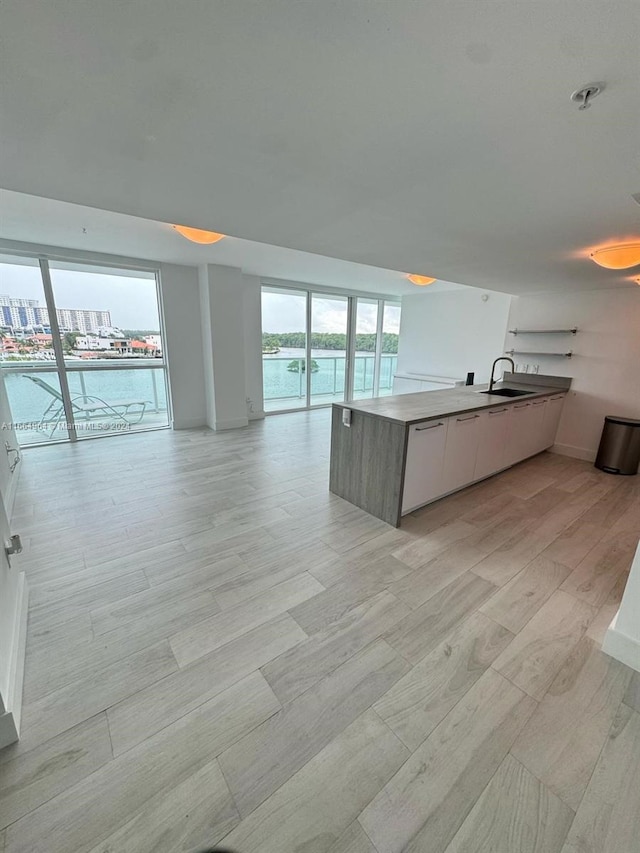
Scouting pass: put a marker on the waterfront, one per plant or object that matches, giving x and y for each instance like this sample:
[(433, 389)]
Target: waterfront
[(284, 376), (284, 385)]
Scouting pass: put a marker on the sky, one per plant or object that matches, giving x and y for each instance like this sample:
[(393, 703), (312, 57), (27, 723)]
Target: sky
[(132, 301), (286, 313)]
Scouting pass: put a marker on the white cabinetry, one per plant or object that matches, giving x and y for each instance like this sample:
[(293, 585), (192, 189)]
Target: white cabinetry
[(447, 454), (520, 433), (492, 443), (423, 470), (538, 408), (463, 434), (552, 413)]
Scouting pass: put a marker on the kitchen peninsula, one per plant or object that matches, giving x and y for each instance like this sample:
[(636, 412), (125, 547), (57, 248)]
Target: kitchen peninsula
[(391, 455)]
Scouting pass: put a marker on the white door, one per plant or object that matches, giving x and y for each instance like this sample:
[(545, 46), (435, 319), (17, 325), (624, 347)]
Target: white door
[(492, 444), (551, 420), (423, 469), (460, 454), (13, 595)]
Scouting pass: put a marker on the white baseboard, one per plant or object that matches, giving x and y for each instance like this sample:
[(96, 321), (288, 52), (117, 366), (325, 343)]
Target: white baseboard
[(235, 423), (574, 452), (10, 720), (257, 416), (622, 647), (189, 423)]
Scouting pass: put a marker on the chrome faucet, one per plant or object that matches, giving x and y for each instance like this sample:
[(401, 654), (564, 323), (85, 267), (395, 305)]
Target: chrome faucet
[(493, 367)]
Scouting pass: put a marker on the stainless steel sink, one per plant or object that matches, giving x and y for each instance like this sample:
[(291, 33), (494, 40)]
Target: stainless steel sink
[(507, 392)]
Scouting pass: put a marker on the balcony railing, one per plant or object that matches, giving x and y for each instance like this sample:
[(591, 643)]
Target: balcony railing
[(106, 398), (284, 378)]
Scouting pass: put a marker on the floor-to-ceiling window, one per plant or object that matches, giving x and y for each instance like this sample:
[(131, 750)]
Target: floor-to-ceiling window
[(366, 357), (328, 356), (284, 349), (389, 346), (321, 347), (81, 350)]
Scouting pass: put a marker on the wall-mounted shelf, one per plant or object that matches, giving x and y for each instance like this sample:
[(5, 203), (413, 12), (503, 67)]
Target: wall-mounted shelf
[(555, 354), (543, 331)]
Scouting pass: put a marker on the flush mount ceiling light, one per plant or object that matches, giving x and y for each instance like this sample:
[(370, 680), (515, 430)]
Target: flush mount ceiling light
[(420, 280), (197, 235), (617, 257)]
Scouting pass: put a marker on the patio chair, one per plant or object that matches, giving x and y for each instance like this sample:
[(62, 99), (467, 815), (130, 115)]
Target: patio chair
[(85, 406)]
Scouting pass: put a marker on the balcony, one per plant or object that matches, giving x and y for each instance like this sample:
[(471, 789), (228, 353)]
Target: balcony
[(285, 382), (107, 399)]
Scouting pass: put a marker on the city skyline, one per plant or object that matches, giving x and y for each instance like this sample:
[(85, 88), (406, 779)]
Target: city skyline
[(132, 301)]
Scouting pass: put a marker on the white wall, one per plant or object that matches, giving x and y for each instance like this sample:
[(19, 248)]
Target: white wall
[(622, 640), (606, 364), (183, 344), (449, 334), (13, 595)]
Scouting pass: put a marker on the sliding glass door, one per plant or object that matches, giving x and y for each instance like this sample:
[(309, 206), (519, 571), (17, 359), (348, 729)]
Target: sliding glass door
[(284, 349), (319, 348), (390, 334), (367, 356), (81, 350), (328, 357)]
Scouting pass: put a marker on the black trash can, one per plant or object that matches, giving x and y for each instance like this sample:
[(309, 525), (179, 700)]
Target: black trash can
[(619, 451)]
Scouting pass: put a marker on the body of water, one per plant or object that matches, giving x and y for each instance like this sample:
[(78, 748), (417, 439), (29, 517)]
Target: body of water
[(29, 401), (283, 379)]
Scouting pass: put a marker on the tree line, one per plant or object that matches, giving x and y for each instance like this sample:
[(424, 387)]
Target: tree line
[(330, 341)]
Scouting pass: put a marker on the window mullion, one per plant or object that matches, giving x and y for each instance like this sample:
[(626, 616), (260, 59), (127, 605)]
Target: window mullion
[(57, 347)]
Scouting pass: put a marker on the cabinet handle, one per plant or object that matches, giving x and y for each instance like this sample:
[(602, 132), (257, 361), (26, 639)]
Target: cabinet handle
[(556, 398), (460, 420), (497, 412), (433, 426), (522, 406), (538, 403)]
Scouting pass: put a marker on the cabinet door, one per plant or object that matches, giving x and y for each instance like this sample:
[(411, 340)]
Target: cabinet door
[(423, 471), (552, 414), (460, 453), (492, 443), (538, 409), (520, 433)]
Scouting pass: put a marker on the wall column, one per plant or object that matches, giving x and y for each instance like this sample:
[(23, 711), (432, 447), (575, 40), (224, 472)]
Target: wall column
[(622, 640), (223, 337)]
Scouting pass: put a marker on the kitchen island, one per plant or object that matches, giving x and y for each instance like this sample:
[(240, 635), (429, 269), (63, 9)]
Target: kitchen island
[(391, 455)]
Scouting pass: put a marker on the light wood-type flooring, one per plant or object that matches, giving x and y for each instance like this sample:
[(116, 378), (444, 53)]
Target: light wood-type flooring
[(222, 652)]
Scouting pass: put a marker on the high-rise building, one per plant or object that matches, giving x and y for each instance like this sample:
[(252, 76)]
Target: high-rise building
[(28, 313)]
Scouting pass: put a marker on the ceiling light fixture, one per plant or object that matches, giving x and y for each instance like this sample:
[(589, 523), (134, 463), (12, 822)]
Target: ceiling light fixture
[(197, 235), (617, 257), (420, 280)]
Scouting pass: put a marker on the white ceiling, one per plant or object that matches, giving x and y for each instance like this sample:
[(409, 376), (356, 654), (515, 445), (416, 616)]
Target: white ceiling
[(28, 218), (433, 137)]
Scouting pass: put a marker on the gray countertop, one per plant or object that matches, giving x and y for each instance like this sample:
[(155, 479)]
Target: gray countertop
[(412, 408)]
